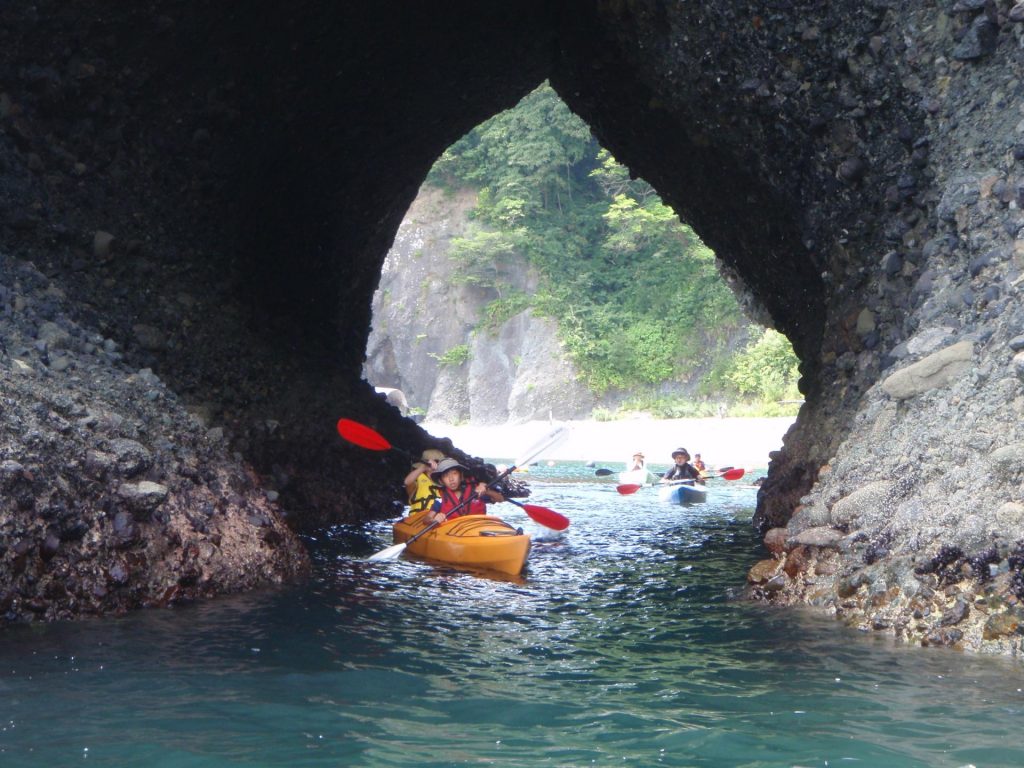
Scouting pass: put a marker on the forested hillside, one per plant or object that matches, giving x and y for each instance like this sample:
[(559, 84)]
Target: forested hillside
[(639, 303)]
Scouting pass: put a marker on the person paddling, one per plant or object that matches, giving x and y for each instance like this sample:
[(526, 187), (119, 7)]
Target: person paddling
[(419, 487), (699, 465), (456, 490), (683, 469)]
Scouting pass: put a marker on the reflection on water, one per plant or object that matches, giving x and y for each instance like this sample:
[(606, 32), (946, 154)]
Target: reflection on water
[(621, 645)]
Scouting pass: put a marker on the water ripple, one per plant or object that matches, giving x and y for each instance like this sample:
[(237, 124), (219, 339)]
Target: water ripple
[(621, 643)]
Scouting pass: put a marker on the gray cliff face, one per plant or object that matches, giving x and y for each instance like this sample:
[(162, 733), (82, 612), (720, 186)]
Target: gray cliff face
[(515, 372)]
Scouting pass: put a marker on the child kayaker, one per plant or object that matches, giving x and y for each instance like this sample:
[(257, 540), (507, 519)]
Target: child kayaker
[(419, 487), (456, 488), (683, 469), (698, 464)]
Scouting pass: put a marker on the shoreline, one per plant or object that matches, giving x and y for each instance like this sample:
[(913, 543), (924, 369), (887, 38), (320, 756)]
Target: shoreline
[(720, 441)]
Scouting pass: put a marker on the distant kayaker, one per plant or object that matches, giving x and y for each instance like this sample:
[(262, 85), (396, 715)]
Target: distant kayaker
[(683, 469), (419, 487), (698, 464), (638, 462), (456, 490)]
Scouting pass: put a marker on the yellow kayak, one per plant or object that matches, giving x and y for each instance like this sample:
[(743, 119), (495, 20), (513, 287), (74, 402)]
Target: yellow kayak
[(473, 541)]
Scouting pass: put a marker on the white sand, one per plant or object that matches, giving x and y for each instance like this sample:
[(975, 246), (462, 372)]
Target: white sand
[(721, 442)]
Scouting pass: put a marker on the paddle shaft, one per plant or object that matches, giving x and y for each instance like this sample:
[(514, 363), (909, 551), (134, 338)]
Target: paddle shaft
[(471, 498), (367, 437)]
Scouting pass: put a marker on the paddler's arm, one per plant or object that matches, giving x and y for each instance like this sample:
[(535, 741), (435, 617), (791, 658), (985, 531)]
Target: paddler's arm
[(410, 479), (435, 513), (483, 490), (420, 468)]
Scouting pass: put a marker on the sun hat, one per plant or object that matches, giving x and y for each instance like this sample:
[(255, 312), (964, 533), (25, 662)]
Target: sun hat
[(638, 453), (445, 465), (682, 451), (428, 455), (432, 454)]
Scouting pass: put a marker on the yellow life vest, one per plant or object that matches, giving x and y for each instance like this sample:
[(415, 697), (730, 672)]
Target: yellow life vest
[(425, 494)]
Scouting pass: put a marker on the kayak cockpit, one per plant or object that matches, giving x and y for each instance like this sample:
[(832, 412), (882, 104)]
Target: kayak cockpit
[(473, 541)]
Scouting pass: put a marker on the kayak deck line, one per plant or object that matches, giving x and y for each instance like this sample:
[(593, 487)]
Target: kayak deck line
[(474, 541)]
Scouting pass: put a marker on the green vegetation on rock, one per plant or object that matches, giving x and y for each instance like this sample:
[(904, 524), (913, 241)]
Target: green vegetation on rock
[(636, 294), (455, 356)]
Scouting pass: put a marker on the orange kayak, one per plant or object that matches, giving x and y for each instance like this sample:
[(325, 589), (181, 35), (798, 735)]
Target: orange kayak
[(473, 541)]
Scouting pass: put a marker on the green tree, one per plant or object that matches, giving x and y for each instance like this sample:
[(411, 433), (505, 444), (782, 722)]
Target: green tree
[(480, 252), (767, 369), (635, 292)]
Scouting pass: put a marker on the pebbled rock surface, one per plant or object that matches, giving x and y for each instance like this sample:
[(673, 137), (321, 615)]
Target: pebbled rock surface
[(112, 495), (214, 190), (858, 169)]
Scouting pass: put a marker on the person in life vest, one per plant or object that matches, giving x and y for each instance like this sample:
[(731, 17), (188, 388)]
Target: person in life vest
[(456, 489), (699, 464), (637, 462), (683, 469), (419, 487)]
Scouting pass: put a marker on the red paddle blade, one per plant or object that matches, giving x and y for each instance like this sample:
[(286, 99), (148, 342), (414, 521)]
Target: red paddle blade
[(733, 474), (627, 488), (362, 435), (547, 517)]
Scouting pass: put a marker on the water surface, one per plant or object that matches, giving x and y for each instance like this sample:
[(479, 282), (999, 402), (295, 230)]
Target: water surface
[(621, 645)]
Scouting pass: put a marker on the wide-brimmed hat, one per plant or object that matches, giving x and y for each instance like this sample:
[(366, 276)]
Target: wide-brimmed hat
[(428, 455), (432, 454), (638, 454), (680, 451), (445, 465)]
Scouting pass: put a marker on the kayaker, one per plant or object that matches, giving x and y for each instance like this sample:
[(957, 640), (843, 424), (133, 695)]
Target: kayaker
[(638, 462), (419, 487), (683, 469), (698, 464), (456, 489)]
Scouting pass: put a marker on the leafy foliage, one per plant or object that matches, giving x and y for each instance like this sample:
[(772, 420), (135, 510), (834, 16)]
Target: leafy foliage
[(501, 310), (767, 368), (479, 252), (455, 356), (636, 294)]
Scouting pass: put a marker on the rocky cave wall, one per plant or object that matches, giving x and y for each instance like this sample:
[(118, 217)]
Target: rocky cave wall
[(859, 172), (855, 166), (195, 202)]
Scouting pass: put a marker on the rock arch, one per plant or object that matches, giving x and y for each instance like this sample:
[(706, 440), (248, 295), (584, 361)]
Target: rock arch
[(856, 167)]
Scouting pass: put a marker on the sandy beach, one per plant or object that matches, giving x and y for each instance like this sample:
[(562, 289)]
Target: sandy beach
[(721, 442)]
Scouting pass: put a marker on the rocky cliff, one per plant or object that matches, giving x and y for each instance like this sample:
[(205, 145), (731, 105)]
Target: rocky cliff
[(856, 167), (515, 370)]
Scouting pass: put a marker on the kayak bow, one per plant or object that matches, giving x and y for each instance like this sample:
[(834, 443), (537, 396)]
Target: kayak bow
[(472, 541)]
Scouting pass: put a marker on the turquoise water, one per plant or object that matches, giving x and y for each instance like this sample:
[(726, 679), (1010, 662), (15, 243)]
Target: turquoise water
[(621, 645)]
